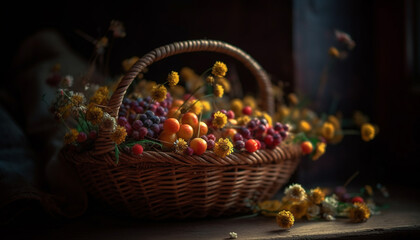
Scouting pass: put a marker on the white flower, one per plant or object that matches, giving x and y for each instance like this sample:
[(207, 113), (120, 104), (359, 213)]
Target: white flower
[(328, 217), (76, 110), (329, 206), (233, 235), (313, 211), (108, 122), (67, 81), (295, 192)]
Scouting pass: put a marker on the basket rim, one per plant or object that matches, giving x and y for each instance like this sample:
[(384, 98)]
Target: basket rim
[(263, 156)]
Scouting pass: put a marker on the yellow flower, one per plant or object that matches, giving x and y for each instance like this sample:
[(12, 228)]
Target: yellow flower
[(285, 219), (319, 151), (98, 98), (316, 195), (334, 121), (210, 80), (304, 126), (64, 111), (77, 99), (243, 120), (71, 136), (223, 147), (359, 212), (188, 74), (219, 69), (368, 132), (236, 105), (128, 63), (196, 107), (225, 84), (218, 91), (94, 114), (118, 136), (333, 51), (159, 93), (293, 99), (328, 130), (219, 120), (270, 207), (206, 106), (299, 209), (173, 78), (295, 192), (268, 118), (180, 145), (103, 90)]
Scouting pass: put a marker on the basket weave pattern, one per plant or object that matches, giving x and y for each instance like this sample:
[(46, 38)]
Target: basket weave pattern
[(163, 185)]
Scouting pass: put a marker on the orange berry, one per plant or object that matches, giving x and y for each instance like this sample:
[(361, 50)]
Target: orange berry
[(185, 132), (229, 133), (251, 145), (190, 118), (167, 138), (199, 145), (173, 112), (171, 125), (306, 147), (177, 103), (204, 129)]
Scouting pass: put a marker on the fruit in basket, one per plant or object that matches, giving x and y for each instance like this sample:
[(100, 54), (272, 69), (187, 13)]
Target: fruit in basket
[(185, 132), (199, 145), (167, 138), (251, 145), (307, 147), (171, 125), (190, 118), (204, 129)]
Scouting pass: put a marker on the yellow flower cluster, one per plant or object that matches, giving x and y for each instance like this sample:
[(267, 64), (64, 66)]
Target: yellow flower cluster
[(118, 136), (223, 147), (219, 120), (71, 136), (159, 93)]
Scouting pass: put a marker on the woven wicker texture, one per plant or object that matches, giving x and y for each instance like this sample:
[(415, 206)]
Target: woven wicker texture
[(163, 185)]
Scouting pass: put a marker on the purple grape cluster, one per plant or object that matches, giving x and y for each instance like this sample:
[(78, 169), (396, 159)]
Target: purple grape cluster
[(259, 129), (143, 117)]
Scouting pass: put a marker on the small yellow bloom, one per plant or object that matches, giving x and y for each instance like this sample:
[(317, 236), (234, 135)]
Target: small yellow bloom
[(210, 80), (250, 101), (218, 91), (103, 90), (319, 151), (242, 121), (219, 69), (368, 132), (223, 147), (328, 130), (77, 99), (333, 51), (71, 136), (173, 79), (304, 126), (236, 105), (299, 209), (196, 107), (128, 63), (270, 207), (64, 111), (225, 84), (188, 74), (219, 120), (94, 114), (159, 93), (359, 212), (180, 145), (316, 195), (118, 136), (285, 219), (334, 121), (206, 106)]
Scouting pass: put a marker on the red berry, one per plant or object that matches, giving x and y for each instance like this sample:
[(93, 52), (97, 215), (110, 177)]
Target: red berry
[(357, 199), (211, 137), (230, 114), (306, 147), (251, 145), (258, 143), (92, 135), (268, 139), (81, 137), (247, 110), (137, 149), (189, 151)]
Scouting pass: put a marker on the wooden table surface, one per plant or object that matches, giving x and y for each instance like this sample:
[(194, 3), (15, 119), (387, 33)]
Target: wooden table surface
[(400, 221)]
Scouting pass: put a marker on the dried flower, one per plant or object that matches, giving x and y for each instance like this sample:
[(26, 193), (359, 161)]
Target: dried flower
[(327, 130), (210, 80), (71, 136), (159, 93), (243, 120), (304, 126), (173, 79), (223, 147), (367, 132), (94, 114), (180, 145), (295, 192), (225, 84), (218, 91), (77, 99), (316, 195), (206, 106), (319, 151), (219, 120), (299, 209), (196, 107), (128, 63), (270, 207), (219, 69), (312, 211), (329, 206), (285, 219), (233, 235), (118, 136), (108, 122), (67, 81), (359, 212), (236, 105)]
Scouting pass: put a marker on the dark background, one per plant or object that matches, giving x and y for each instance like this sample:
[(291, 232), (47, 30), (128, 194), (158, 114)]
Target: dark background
[(290, 40)]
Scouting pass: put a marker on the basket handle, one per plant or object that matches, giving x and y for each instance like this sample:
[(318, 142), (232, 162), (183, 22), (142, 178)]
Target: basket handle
[(264, 84)]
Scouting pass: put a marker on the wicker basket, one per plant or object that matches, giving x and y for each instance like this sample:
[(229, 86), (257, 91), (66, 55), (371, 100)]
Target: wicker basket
[(163, 185)]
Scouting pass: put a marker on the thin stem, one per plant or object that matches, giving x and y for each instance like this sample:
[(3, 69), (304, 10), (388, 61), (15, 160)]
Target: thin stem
[(351, 178)]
